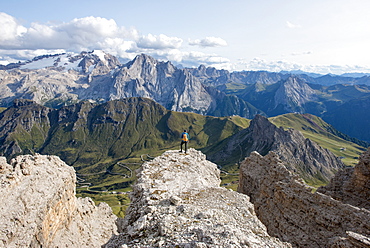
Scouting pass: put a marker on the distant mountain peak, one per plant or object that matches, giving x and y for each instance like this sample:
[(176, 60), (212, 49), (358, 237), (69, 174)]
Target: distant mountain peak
[(142, 59), (302, 155)]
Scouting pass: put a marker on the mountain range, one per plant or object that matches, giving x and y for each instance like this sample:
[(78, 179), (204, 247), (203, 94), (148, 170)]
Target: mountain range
[(96, 137), (86, 134), (64, 79)]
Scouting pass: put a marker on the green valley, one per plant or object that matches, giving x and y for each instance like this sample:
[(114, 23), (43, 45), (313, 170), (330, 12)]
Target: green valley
[(107, 142)]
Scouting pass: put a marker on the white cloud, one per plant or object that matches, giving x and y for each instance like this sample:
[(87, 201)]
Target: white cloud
[(89, 33), (18, 42), (159, 42), (10, 29), (208, 42), (291, 25), (258, 64), (77, 34), (194, 59), (80, 34)]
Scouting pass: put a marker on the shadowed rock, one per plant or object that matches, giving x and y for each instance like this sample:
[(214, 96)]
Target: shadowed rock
[(285, 204), (352, 185)]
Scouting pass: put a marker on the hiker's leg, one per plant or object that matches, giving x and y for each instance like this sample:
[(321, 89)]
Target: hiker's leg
[(186, 147), (181, 146)]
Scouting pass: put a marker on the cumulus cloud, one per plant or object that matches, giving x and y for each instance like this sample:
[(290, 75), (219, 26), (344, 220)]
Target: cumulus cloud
[(208, 42), (194, 59), (81, 34), (159, 42), (10, 29)]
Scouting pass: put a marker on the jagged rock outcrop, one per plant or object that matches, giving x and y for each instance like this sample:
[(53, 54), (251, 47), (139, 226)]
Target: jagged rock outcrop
[(177, 202), (299, 154), (352, 185), (173, 88), (38, 207), (293, 213)]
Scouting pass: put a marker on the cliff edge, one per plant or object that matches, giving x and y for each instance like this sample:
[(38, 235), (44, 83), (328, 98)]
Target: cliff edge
[(290, 211), (38, 207), (352, 185), (177, 202)]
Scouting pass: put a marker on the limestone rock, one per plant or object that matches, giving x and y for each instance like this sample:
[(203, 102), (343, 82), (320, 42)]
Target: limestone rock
[(293, 213), (38, 207), (177, 202), (352, 185)]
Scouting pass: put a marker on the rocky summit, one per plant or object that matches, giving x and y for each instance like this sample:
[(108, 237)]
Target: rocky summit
[(38, 207), (177, 202)]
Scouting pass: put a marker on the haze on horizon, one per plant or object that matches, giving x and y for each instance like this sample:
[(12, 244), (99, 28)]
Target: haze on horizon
[(324, 36)]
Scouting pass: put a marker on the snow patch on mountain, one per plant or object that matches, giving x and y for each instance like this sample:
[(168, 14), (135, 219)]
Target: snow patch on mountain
[(100, 54), (66, 61)]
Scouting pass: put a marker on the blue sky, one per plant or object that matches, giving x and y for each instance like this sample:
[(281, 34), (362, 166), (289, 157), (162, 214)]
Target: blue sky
[(324, 36)]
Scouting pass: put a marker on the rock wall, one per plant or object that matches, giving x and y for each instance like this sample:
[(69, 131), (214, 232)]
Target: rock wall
[(177, 202), (352, 185), (38, 207), (293, 213)]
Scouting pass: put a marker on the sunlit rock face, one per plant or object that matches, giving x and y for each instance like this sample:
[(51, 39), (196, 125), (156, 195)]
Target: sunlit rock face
[(177, 202), (38, 207)]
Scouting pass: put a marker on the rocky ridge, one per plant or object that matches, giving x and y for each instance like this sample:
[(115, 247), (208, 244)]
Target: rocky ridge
[(38, 207), (290, 211), (352, 185), (177, 202), (300, 155)]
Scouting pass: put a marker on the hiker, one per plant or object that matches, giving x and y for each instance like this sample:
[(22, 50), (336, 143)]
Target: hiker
[(184, 140)]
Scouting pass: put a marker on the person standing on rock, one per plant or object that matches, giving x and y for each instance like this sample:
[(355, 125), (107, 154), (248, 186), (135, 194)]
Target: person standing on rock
[(184, 140)]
